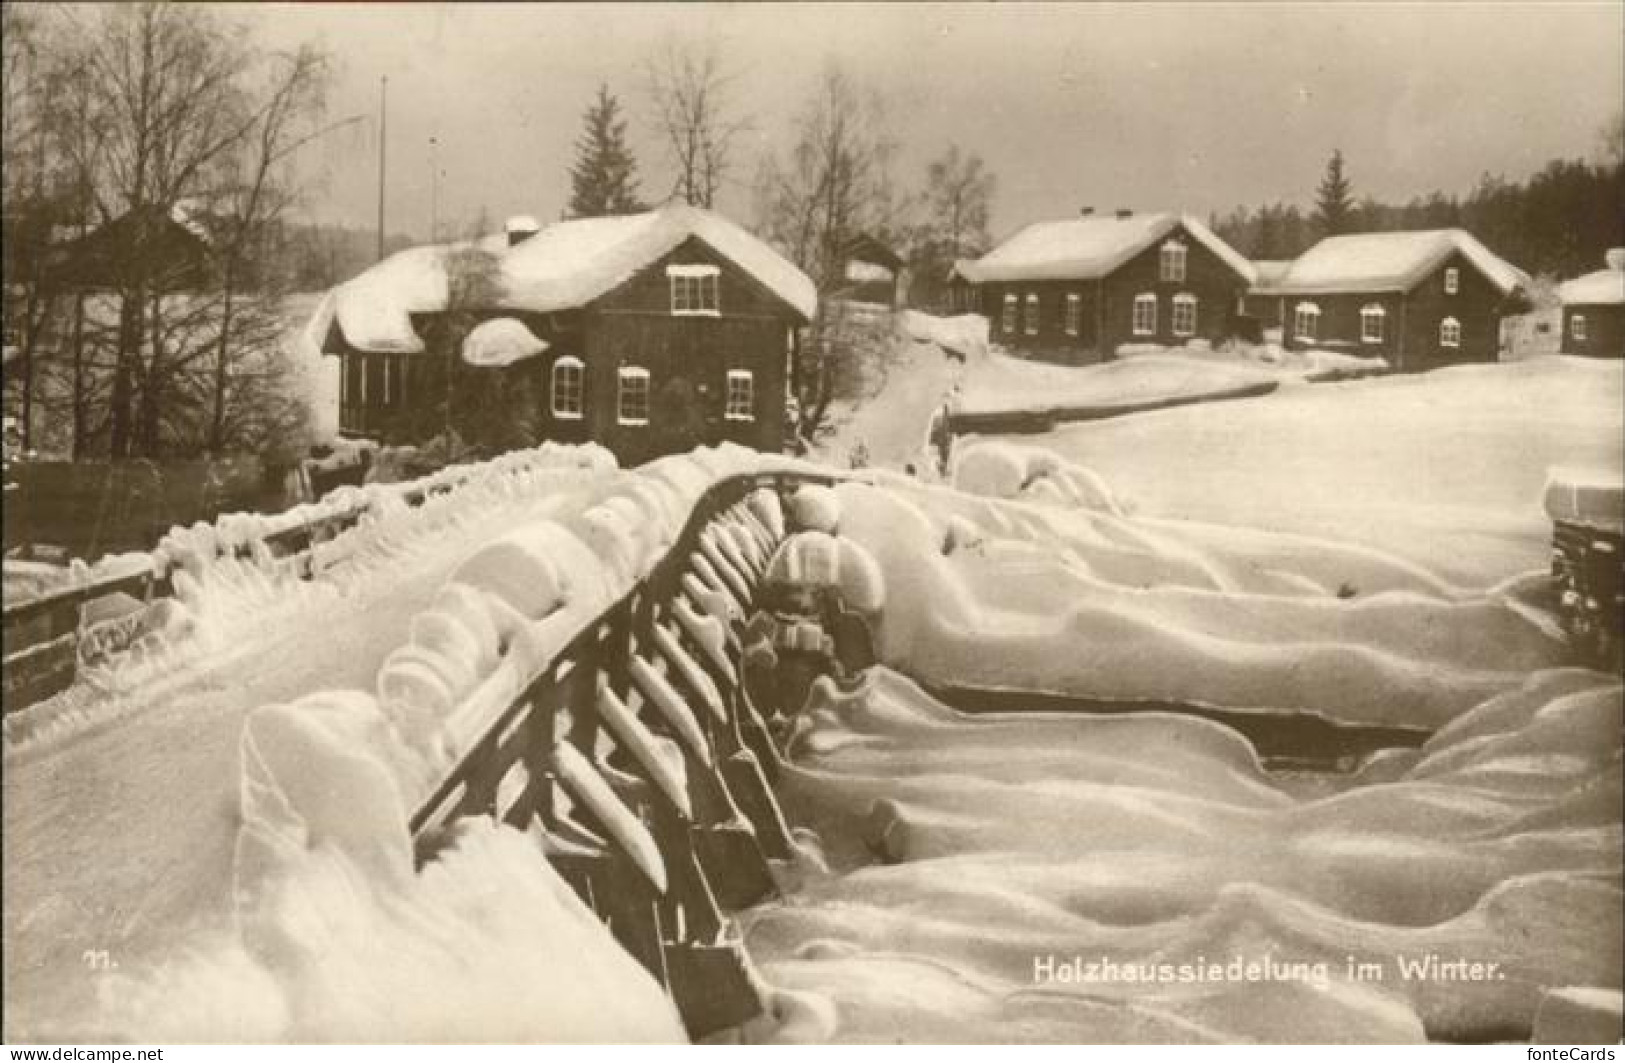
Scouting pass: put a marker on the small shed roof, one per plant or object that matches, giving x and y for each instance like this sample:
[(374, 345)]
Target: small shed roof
[(565, 266), (1392, 261), (865, 247), (1089, 247)]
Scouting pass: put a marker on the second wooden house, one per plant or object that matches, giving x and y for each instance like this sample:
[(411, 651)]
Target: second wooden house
[(1076, 290), (649, 334), (1420, 299)]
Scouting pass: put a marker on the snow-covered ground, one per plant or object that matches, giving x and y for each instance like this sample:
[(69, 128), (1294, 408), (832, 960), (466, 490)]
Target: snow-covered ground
[(1444, 469), (1370, 551)]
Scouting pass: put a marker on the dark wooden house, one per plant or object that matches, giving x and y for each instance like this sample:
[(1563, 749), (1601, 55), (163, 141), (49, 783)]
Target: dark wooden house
[(649, 334), (1419, 299), (1594, 310), (1076, 290)]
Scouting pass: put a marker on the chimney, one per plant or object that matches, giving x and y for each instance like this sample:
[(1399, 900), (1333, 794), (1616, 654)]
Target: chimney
[(521, 227), (1086, 211), (1124, 212), (1615, 258)]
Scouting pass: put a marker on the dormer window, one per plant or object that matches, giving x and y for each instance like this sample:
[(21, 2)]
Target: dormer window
[(694, 290), (1173, 262), (1452, 280)]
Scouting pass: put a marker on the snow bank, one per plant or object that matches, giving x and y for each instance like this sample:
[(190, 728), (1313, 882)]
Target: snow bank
[(1000, 383), (976, 860), (227, 585), (1006, 470), (964, 335), (487, 945), (998, 594), (1444, 469)]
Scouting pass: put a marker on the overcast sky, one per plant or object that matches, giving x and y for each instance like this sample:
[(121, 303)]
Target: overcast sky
[(1195, 107)]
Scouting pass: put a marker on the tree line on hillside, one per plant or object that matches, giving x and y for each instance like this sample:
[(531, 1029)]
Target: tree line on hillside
[(1556, 223)]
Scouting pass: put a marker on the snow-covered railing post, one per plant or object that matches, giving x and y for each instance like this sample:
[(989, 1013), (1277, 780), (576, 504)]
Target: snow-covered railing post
[(645, 764)]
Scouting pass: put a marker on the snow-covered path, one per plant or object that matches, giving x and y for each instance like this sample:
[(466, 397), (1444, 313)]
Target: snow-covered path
[(118, 836)]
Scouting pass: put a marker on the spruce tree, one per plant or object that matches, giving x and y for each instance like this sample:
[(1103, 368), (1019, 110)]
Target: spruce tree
[(604, 177), (1334, 199)]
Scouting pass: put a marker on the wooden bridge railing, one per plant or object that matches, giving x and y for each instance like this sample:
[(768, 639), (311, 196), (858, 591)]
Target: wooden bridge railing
[(660, 854)]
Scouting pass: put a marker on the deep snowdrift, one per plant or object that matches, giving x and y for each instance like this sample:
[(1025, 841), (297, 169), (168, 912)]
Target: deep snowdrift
[(1083, 601), (1444, 469), (976, 860)]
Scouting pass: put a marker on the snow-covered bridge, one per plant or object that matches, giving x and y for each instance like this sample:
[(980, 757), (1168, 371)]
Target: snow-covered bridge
[(923, 848)]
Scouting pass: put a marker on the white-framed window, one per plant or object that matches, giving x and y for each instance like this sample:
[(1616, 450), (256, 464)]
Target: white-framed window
[(1173, 262), (567, 390), (1373, 320), (1577, 326), (632, 395), (1306, 321), (1030, 318), (1452, 280), (1184, 314), (1074, 312), (740, 399), (694, 290), (1145, 314), (1009, 320), (1450, 332)]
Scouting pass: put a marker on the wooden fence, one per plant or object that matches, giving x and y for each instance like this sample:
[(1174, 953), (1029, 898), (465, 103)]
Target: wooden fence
[(42, 636), (659, 854)]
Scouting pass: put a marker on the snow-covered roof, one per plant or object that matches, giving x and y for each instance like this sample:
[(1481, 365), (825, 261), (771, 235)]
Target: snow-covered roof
[(1089, 247), (563, 267), (501, 341), (1606, 287), (1392, 261), (1267, 272)]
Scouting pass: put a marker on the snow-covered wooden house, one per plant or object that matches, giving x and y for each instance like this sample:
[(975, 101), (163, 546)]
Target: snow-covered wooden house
[(648, 333), (1420, 299), (1594, 310), (1076, 290)]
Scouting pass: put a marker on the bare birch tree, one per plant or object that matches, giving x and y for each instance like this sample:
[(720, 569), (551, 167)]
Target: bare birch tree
[(833, 184), (689, 89)]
